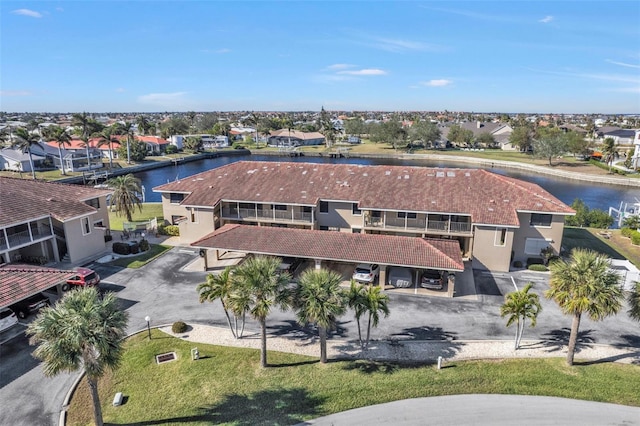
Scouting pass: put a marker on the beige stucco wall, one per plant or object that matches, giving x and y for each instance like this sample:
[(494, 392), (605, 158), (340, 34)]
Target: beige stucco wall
[(169, 209), (79, 246), (103, 213), (340, 216), (202, 225), (553, 234), (486, 254)]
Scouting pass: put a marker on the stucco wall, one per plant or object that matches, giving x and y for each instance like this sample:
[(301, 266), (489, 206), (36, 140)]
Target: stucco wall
[(487, 253), (202, 225), (81, 246), (553, 235), (340, 216)]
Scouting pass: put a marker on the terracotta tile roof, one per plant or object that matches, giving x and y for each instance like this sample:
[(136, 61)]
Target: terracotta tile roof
[(21, 281), (25, 199), (79, 144), (487, 197), (339, 246)]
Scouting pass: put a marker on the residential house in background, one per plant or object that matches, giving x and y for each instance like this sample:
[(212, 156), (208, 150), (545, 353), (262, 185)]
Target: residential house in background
[(494, 220), (74, 155), (16, 160), (51, 221), (286, 137)]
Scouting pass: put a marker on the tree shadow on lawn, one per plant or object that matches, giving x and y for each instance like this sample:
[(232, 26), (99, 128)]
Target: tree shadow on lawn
[(556, 340), (268, 407)]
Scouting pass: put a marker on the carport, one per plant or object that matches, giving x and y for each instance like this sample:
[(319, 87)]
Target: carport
[(17, 282), (319, 246)]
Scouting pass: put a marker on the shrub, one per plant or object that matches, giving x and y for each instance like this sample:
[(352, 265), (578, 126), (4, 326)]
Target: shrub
[(517, 264), (179, 327), (121, 248), (635, 238), (627, 232), (171, 149), (171, 230), (537, 267), (135, 248), (144, 245)]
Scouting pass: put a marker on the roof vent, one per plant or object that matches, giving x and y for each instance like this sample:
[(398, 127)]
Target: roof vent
[(467, 174), (451, 174), (490, 209), (388, 173), (439, 174), (406, 176), (304, 172), (51, 199), (365, 174)]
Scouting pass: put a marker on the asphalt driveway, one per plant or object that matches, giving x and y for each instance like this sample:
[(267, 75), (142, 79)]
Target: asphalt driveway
[(165, 291)]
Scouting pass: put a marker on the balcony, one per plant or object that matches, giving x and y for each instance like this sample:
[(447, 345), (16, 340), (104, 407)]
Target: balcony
[(420, 224), (266, 215), (21, 238)]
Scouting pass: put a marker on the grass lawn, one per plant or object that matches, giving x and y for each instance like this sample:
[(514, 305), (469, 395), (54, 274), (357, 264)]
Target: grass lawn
[(616, 247), (142, 259), (149, 211), (227, 385)]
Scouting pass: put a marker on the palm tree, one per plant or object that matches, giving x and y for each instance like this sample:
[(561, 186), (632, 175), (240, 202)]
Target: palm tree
[(126, 129), (62, 137), (84, 125), (520, 305), (143, 124), (107, 137), (84, 331), (319, 299), (260, 277), (584, 285), (219, 287), (370, 300), (26, 140), (126, 195), (609, 149), (634, 302)]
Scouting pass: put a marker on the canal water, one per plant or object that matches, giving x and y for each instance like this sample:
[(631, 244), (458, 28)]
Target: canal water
[(594, 195)]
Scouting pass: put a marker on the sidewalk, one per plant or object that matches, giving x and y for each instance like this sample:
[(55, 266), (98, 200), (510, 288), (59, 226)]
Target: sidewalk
[(408, 350)]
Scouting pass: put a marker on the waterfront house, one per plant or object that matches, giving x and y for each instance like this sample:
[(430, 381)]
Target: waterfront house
[(493, 220), (17, 160), (74, 155), (51, 221), (286, 137)]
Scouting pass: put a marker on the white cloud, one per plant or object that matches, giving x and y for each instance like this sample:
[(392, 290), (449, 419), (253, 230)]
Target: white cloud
[(398, 45), (365, 71), (622, 64), (437, 82), (120, 90), (15, 93), (335, 67), (27, 12), (170, 101), (546, 19)]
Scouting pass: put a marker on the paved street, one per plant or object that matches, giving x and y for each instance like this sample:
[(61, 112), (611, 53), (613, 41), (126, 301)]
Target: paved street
[(165, 290)]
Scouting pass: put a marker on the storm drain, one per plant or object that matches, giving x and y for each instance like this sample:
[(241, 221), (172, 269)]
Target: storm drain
[(168, 357)]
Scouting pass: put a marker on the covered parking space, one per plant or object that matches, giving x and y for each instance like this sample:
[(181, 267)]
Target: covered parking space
[(323, 247), (18, 282)]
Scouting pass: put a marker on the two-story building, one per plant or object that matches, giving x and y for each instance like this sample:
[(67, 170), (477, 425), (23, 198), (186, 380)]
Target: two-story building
[(42, 222), (494, 220)]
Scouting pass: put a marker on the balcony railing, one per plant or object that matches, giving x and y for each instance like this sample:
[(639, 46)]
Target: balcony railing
[(266, 215), (419, 224), (20, 238), (3, 244)]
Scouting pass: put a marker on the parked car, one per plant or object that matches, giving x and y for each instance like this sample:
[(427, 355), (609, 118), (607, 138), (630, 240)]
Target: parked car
[(7, 319), (431, 279), (400, 277), (30, 305), (366, 273), (84, 277)]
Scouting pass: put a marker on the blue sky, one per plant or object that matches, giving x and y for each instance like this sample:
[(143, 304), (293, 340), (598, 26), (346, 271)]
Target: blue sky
[(136, 56)]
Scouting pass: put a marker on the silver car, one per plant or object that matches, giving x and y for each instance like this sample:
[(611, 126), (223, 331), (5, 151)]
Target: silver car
[(7, 319), (366, 273)]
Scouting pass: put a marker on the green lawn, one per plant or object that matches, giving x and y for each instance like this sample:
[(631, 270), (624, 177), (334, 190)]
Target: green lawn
[(140, 260), (149, 211), (227, 386), (583, 238)]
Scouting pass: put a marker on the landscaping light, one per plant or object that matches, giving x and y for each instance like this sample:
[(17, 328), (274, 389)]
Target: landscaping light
[(148, 320)]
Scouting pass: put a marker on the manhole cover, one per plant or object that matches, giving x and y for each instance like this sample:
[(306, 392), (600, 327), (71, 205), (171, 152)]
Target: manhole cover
[(162, 358)]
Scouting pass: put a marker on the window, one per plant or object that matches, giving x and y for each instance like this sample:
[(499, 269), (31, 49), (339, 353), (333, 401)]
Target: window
[(539, 219), (402, 215), (324, 207), (175, 198), (324, 228), (376, 214), (94, 202), (86, 226), (501, 237), (194, 216), (280, 207), (355, 210), (247, 206), (533, 246), (306, 209), (355, 230)]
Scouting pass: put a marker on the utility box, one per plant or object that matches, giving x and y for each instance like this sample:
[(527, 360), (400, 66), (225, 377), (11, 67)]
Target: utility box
[(117, 400)]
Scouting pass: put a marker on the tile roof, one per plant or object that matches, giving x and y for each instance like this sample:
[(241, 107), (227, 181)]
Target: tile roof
[(24, 199), (487, 197), (339, 246), (21, 281)]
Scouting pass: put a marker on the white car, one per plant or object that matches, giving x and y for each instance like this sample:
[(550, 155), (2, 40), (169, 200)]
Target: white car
[(366, 273), (7, 319)]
